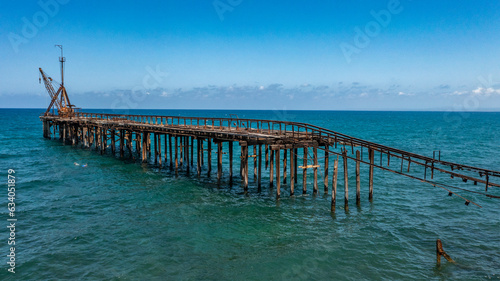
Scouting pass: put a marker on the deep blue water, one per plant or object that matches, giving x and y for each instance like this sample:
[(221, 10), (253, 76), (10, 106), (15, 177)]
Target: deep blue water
[(118, 219)]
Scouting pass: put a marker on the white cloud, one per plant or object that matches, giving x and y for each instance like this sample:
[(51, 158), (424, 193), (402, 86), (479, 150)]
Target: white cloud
[(480, 91), (405, 94)]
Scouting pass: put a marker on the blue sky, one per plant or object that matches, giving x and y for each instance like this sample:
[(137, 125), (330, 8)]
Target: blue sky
[(241, 54)]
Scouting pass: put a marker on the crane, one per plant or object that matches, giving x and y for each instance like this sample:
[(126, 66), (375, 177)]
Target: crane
[(59, 98)]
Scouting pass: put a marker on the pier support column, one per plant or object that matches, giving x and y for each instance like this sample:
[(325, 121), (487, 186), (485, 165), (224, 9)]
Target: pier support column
[(358, 179), (315, 156), (176, 155), (285, 152), (244, 163), (219, 162), (267, 155), (186, 144), (129, 142), (278, 179), (254, 162), (292, 173), (138, 144), (371, 153), (181, 151), (192, 151), (230, 161), (327, 159), (159, 151), (334, 183), (165, 143), (346, 182), (304, 173), (104, 140), (209, 156), (155, 136), (170, 152), (259, 173), (296, 164), (122, 140), (113, 142), (144, 147), (64, 134), (199, 155), (271, 169), (202, 153)]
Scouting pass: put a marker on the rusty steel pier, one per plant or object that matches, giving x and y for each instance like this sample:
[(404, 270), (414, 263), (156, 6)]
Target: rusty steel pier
[(176, 142), (293, 148)]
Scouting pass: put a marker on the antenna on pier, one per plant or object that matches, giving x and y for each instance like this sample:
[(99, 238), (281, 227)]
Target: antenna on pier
[(62, 59)]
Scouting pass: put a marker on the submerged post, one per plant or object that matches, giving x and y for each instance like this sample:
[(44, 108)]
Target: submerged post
[(292, 173), (315, 169), (440, 252), (219, 162), (325, 183), (259, 177), (334, 183), (358, 179), (304, 173), (230, 161), (371, 153), (278, 180), (346, 182)]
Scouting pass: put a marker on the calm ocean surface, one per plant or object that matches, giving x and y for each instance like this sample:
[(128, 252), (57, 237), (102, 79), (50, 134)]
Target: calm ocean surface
[(120, 220)]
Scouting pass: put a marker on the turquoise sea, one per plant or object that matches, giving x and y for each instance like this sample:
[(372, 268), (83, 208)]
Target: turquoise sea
[(118, 219)]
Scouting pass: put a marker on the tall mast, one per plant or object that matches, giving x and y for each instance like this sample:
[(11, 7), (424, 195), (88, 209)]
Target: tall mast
[(62, 59)]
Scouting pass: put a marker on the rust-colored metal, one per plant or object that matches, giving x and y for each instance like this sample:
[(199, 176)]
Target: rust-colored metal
[(92, 129)]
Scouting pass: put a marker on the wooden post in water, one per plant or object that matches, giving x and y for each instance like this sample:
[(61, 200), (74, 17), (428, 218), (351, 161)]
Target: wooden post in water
[(188, 168), (244, 163), (267, 155), (292, 173), (192, 151), (202, 153), (346, 182), (259, 177), (198, 159), (64, 134), (170, 151), (315, 152), (176, 155), (325, 182), (143, 147), (334, 183), (371, 153), (155, 136), (209, 156), (113, 142), (122, 140), (159, 150), (271, 169), (440, 252), (219, 161), (149, 145), (358, 179), (285, 152), (304, 173), (104, 140), (165, 140), (230, 161), (278, 180), (296, 164), (181, 151), (254, 162)]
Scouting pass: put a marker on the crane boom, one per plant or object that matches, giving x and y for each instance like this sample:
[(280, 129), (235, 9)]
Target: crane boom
[(60, 97)]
